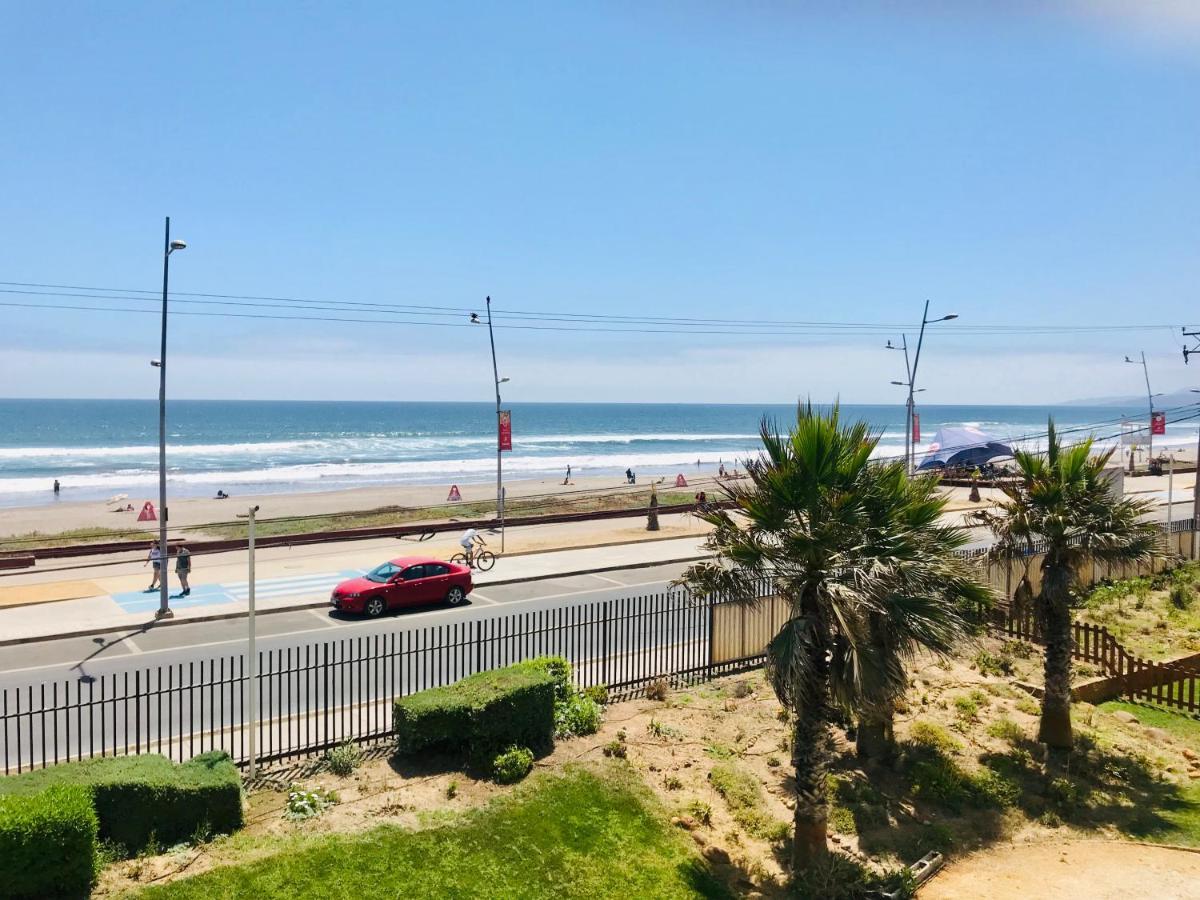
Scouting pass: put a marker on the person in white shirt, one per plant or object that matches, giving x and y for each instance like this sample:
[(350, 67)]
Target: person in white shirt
[(155, 557), (467, 542)]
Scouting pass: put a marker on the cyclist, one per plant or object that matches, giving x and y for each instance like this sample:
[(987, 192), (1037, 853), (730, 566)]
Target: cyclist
[(468, 541)]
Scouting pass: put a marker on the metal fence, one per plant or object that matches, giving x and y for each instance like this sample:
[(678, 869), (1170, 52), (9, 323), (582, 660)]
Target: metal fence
[(316, 695)]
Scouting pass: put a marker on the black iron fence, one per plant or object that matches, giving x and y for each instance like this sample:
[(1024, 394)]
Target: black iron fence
[(316, 695)]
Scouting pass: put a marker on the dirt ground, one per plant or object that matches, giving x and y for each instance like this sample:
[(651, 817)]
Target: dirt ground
[(1098, 870), (675, 743)]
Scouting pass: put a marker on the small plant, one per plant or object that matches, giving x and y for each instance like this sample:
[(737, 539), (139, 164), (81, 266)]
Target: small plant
[(967, 706), (343, 759), (452, 789), (1028, 705), (700, 811), (719, 751), (305, 804), (836, 876), (657, 689), (597, 693), (615, 749), (576, 715), (1017, 648), (742, 689), (1006, 730), (663, 730), (990, 664), (1181, 596), (511, 765), (773, 762), (744, 797), (933, 736), (672, 783)]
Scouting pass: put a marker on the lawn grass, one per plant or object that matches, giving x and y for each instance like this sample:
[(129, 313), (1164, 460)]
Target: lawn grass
[(1140, 613), (587, 833)]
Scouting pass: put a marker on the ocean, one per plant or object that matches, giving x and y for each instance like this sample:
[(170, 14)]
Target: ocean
[(100, 448)]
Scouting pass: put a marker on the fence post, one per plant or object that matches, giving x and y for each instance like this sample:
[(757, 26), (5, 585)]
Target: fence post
[(708, 668), (604, 642)]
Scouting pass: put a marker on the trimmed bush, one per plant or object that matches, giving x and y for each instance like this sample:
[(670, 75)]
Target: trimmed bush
[(481, 714), (512, 765), (48, 843), (145, 800)]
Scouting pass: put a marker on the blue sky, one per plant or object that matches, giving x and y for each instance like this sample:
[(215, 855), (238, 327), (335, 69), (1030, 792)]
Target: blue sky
[(705, 160)]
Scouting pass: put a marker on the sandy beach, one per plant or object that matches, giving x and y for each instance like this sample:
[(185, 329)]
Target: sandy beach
[(191, 512)]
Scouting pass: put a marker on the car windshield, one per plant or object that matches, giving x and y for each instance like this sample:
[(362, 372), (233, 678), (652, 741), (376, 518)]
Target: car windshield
[(383, 573)]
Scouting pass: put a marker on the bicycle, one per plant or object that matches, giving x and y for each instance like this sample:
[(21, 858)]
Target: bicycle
[(482, 559)]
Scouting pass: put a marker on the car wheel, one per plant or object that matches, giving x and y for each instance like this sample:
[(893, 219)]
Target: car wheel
[(374, 607), (456, 596)]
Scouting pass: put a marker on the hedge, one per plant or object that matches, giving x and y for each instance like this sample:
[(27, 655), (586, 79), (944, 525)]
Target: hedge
[(482, 713), (48, 843), (143, 800)]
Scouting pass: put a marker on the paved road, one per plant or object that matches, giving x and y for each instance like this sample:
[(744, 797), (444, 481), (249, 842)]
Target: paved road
[(325, 677)]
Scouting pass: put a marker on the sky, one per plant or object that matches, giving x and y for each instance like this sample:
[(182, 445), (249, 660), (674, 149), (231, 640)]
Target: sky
[(1019, 165)]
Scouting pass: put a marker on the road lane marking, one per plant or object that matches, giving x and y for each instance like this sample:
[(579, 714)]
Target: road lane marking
[(475, 595), (609, 580), (432, 612), (321, 615)]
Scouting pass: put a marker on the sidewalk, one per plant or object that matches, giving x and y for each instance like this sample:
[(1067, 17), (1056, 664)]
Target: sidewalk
[(127, 606)]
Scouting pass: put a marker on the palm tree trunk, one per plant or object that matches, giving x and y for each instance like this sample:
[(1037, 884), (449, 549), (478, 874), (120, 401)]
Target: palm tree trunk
[(875, 738), (1055, 728), (810, 758)]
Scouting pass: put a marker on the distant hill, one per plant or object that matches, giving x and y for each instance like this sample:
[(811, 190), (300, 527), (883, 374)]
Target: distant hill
[(1166, 401)]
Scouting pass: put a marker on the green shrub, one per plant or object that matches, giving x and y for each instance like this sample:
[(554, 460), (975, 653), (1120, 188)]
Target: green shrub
[(481, 714), (148, 800), (511, 765), (616, 749), (48, 843), (558, 669), (933, 736), (1182, 595), (343, 759), (1006, 729), (991, 664), (658, 689), (303, 803), (597, 693), (575, 716), (942, 781), (744, 796)]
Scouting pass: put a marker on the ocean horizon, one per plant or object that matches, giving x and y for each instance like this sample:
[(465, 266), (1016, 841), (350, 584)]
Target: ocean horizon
[(101, 448)]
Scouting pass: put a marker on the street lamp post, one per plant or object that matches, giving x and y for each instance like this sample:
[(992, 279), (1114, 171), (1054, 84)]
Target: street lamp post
[(1149, 400), (908, 409), (164, 609), (499, 453), (912, 379)]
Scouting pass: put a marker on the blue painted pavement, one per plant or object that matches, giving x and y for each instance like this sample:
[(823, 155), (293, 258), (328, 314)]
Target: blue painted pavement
[(238, 591)]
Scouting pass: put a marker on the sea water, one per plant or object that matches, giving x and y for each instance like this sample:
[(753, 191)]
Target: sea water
[(100, 448)]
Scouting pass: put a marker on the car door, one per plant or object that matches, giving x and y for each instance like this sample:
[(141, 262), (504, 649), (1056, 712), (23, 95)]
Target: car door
[(438, 577), (411, 587)]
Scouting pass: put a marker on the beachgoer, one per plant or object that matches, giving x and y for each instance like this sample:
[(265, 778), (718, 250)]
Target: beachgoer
[(630, 478), (183, 568), (221, 495), (567, 480), (721, 471), (155, 557), (56, 487)]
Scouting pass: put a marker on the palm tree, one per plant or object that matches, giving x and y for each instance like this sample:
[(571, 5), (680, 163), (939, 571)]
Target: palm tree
[(1064, 501), (869, 574)]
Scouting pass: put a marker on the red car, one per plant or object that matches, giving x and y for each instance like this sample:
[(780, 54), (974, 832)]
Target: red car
[(407, 581)]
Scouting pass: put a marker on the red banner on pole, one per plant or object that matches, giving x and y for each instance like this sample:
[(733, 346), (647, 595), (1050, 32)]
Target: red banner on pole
[(1158, 423), (505, 429), (916, 428)]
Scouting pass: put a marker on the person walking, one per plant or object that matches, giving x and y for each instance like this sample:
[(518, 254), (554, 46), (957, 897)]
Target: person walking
[(155, 559), (567, 480), (56, 487), (183, 568)]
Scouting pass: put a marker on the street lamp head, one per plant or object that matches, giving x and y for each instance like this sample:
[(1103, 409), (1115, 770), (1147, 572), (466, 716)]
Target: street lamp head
[(900, 383), (1128, 360), (177, 245), (948, 318), (502, 380)]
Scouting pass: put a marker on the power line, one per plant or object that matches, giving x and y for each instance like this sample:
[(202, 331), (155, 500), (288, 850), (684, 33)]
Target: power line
[(583, 320)]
